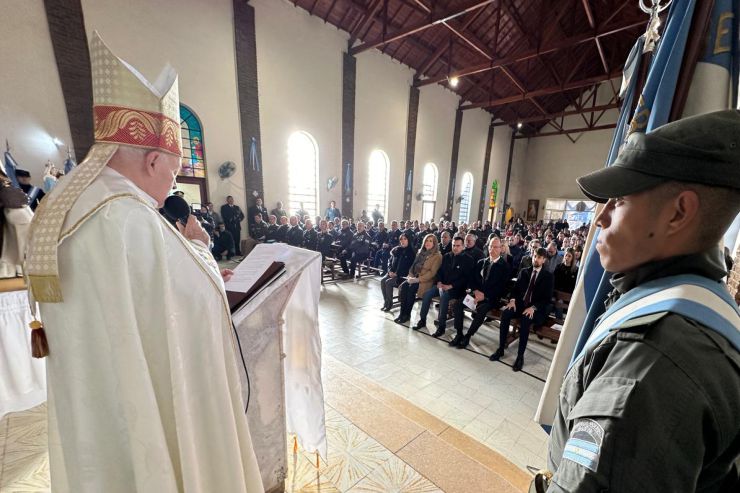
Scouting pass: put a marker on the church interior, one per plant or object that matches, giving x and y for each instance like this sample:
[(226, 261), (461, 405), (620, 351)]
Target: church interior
[(468, 116)]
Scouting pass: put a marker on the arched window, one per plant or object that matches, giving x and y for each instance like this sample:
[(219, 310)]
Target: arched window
[(193, 154), (377, 182), (429, 191), (467, 197), (303, 173)]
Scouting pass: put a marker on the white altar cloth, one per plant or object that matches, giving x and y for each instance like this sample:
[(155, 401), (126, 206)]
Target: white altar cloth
[(279, 336), (22, 377)]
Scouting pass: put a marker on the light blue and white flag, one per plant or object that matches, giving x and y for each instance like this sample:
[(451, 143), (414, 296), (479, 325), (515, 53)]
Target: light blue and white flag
[(10, 167), (714, 87)]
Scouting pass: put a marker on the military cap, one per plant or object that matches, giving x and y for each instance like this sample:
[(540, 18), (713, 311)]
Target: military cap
[(22, 173), (702, 149)]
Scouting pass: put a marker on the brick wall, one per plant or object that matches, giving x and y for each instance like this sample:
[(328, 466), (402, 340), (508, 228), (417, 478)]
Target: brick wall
[(69, 40), (408, 176), (484, 191), (453, 160), (349, 77), (248, 94)]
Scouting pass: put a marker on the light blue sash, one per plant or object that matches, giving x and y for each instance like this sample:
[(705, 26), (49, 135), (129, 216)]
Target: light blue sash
[(695, 297)]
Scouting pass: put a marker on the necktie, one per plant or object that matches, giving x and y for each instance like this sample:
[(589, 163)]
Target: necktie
[(530, 288), (487, 270)]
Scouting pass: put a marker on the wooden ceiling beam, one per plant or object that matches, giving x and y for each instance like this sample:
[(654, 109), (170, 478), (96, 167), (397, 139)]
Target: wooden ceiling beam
[(592, 23), (435, 20), (543, 92), (443, 47), (534, 52), (569, 131), (331, 8), (365, 20)]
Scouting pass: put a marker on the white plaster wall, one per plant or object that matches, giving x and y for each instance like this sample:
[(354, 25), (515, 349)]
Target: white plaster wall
[(553, 164), (32, 110), (381, 114), (299, 65), (434, 132), (197, 39), (473, 137)]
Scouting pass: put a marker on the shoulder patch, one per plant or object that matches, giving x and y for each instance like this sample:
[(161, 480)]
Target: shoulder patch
[(584, 444)]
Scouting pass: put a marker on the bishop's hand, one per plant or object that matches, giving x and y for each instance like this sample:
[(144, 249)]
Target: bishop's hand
[(193, 230)]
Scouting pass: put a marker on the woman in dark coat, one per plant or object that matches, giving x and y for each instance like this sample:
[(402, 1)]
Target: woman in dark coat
[(402, 257)]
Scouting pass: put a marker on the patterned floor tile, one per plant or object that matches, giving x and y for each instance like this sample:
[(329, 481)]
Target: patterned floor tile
[(394, 476), (352, 455)]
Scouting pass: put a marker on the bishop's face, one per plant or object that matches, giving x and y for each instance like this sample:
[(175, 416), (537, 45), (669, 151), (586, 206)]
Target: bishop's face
[(165, 169)]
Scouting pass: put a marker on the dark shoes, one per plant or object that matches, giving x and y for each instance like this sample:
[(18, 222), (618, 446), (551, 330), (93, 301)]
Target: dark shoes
[(497, 355), (464, 341), (518, 363), (421, 324), (385, 308), (456, 340), (439, 332), (402, 319)]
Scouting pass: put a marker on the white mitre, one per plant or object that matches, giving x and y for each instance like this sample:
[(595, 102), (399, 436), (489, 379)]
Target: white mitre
[(128, 110)]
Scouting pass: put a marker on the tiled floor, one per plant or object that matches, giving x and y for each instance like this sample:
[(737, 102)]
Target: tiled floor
[(405, 413), (485, 400)]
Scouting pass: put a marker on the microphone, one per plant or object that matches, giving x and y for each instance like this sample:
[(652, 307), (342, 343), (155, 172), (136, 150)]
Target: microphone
[(175, 209)]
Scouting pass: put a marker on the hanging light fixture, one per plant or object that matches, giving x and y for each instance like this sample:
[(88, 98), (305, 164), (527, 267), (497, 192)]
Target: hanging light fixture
[(454, 81)]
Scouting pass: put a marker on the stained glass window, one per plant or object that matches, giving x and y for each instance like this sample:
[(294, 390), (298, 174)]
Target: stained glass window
[(193, 154)]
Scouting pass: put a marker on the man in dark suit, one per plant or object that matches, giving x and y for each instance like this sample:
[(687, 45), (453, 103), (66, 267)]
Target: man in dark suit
[(258, 208), (471, 248), (445, 243), (233, 216), (529, 303), (294, 235), (491, 276), (272, 228), (258, 228), (310, 237), (452, 280), (357, 251), (282, 231)]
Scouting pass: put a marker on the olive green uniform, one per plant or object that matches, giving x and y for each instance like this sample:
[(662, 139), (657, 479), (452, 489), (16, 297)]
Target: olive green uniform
[(657, 402)]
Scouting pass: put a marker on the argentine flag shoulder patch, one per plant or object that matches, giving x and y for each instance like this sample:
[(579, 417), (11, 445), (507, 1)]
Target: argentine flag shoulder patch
[(584, 444)]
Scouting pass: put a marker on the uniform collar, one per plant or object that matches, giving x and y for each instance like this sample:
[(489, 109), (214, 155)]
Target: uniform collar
[(709, 264)]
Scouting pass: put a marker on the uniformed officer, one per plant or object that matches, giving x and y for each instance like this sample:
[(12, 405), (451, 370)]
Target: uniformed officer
[(652, 403)]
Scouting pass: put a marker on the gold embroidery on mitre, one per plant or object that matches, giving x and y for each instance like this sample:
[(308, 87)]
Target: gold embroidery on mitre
[(136, 123), (127, 110)]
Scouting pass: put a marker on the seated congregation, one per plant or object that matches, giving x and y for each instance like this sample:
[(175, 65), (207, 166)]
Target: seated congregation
[(522, 275)]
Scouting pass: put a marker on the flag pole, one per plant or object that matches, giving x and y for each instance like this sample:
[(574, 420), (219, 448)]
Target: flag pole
[(700, 24)]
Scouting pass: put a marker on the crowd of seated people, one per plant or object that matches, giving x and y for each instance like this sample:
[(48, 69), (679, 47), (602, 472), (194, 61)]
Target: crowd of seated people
[(515, 275), (526, 271)]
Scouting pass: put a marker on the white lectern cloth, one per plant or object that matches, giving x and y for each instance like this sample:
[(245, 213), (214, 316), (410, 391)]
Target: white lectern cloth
[(22, 377)]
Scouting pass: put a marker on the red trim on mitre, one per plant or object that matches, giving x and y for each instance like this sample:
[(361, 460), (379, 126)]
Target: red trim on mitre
[(121, 125)]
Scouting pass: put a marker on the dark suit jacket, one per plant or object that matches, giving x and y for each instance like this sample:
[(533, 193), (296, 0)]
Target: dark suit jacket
[(542, 293), (254, 210), (294, 236), (494, 285), (456, 270)]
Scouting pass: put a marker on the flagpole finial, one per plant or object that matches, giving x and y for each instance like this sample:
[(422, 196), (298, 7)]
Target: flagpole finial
[(7, 145), (652, 33)]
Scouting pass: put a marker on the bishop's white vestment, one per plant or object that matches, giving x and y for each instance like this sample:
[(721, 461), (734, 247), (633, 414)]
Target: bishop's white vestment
[(144, 391)]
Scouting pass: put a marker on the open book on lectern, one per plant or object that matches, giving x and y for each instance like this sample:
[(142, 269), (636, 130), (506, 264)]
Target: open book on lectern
[(250, 279)]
